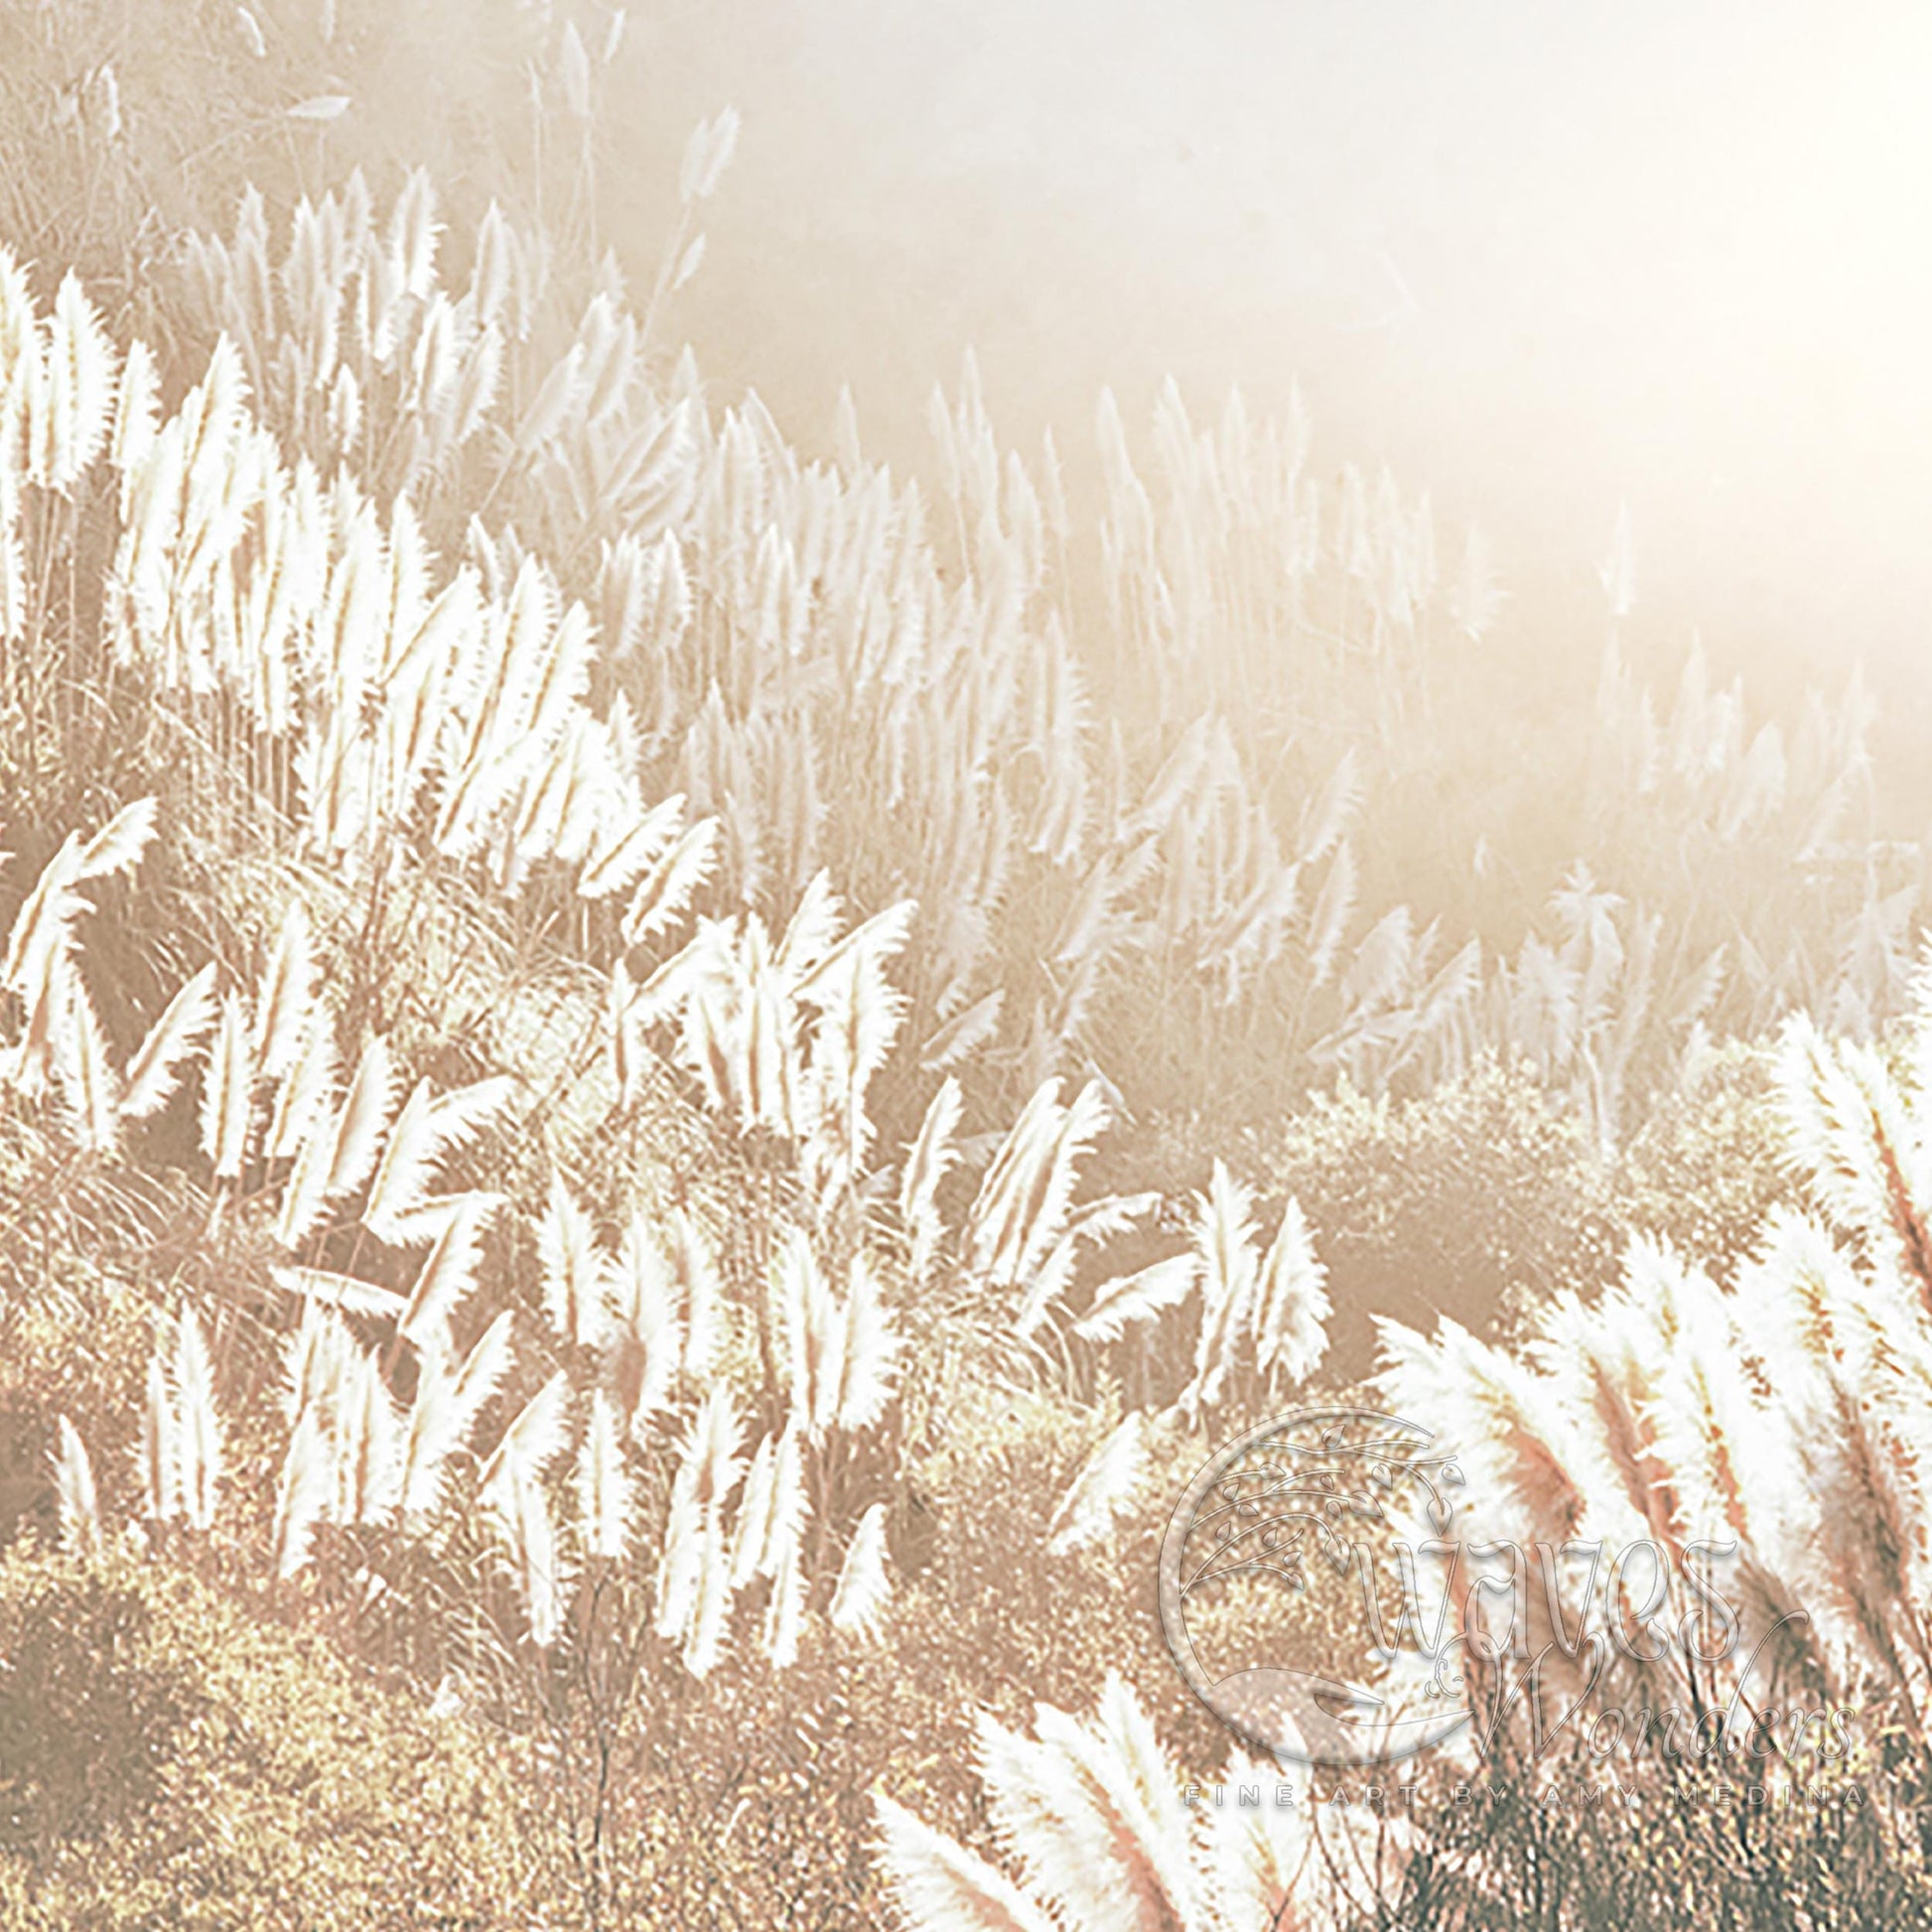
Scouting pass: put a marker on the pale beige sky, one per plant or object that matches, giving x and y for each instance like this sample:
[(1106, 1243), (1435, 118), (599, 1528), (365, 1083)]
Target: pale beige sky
[(1544, 256)]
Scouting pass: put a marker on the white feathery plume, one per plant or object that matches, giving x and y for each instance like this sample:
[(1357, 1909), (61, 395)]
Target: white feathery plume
[(704, 1292), (227, 1086), (711, 1611), (1863, 1548), (40, 1048), (1501, 1418), (305, 1192), (160, 1444), (18, 316), (1606, 1382), (711, 1466), (1127, 1298), (448, 1272), (306, 1095), (603, 1500), (785, 1616), (85, 1072), (964, 1034), (629, 1055), (462, 1113), (1108, 1216), (81, 382), (1048, 1204), (813, 1332), (199, 1433), (118, 845), (1707, 1421), (1048, 1819), (1227, 1268), (43, 928), (645, 1328), (681, 1561), (1022, 1202), (1011, 1178), (556, 401), (285, 998), (312, 1360), (694, 1570), (665, 893), (365, 1445), (1808, 1303), (573, 1268), (868, 1354), (812, 931), (789, 1509), (1919, 1055), (1291, 1306), (707, 154), (754, 1513), (931, 1156), (615, 865), (413, 234), (1125, 1759), (1846, 1356), (863, 1584), (432, 1433), (136, 410), (154, 1072), (402, 1177), (1050, 1280), (1851, 1134), (694, 988), (940, 1886), (344, 1292), (358, 1130), (300, 1495), (1102, 1488), (482, 1371), (1088, 1813), (14, 592), (764, 1056), (1224, 1240), (520, 1513), (1258, 1854), (74, 1490), (338, 1150), (860, 1016), (1329, 915), (533, 1442), (400, 1209)]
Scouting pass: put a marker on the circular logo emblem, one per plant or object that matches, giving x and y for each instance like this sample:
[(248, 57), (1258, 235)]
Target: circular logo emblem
[(1313, 1503)]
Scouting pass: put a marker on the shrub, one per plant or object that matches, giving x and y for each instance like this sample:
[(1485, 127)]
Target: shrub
[(167, 1756), (1461, 1202), (1708, 1164)]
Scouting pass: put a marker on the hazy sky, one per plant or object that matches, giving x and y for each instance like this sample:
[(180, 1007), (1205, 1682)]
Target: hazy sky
[(1543, 256)]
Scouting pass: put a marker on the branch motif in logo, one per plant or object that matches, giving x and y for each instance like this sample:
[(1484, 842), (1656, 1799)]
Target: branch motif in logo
[(1297, 1502)]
